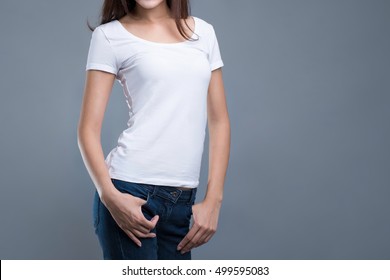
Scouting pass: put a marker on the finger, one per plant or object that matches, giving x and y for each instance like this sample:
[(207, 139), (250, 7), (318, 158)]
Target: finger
[(133, 237), (140, 228), (143, 235), (205, 238), (155, 219), (149, 224), (143, 224), (194, 229), (194, 241), (208, 238), (142, 201), (188, 237)]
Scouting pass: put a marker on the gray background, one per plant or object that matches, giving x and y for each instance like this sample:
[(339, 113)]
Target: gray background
[(308, 92)]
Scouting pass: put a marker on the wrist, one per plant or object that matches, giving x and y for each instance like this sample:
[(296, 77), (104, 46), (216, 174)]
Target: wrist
[(108, 195), (214, 193), (216, 201)]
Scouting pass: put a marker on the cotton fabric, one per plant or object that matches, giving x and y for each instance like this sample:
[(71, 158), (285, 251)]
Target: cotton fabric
[(165, 86)]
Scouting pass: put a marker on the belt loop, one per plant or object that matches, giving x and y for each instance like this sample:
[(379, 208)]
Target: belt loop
[(154, 190)]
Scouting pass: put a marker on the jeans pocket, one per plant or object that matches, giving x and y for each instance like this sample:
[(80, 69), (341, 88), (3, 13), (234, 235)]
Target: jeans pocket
[(131, 188), (149, 207), (147, 200)]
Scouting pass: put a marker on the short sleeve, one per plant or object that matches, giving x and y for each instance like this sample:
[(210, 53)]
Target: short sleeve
[(214, 51), (100, 54)]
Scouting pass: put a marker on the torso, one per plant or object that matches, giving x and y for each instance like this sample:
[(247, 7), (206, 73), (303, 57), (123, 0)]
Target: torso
[(164, 32), (165, 81)]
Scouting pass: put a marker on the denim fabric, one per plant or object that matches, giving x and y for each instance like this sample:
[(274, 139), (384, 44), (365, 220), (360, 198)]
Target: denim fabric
[(173, 205)]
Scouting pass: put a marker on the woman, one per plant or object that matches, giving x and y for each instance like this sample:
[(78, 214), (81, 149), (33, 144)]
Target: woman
[(169, 66)]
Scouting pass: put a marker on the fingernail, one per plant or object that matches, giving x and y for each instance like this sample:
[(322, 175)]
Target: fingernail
[(179, 248)]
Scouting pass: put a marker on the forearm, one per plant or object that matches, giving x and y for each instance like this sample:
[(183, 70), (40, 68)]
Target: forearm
[(219, 151), (93, 157)]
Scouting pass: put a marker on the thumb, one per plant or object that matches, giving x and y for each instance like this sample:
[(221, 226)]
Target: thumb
[(155, 219)]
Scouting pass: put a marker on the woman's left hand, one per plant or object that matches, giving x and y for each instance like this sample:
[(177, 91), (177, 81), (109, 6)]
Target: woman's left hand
[(205, 224)]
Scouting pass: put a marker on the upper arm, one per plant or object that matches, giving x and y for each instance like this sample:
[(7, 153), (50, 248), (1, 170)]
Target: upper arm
[(216, 99), (97, 90), (101, 69)]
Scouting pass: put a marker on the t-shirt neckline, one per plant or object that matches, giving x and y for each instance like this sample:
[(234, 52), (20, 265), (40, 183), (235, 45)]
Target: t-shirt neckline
[(159, 43)]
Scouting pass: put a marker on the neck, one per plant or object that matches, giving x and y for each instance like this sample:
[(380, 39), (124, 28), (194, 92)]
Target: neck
[(154, 14)]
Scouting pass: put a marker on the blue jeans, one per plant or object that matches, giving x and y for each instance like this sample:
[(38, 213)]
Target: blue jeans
[(174, 207)]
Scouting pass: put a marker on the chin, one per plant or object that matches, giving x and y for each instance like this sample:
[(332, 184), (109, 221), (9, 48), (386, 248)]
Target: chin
[(149, 4)]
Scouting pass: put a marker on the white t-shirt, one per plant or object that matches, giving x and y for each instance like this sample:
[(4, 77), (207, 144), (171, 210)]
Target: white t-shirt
[(165, 86)]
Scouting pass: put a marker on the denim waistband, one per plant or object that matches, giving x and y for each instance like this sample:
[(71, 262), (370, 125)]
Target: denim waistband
[(170, 193)]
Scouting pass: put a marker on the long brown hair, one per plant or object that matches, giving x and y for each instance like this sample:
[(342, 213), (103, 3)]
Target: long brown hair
[(115, 9)]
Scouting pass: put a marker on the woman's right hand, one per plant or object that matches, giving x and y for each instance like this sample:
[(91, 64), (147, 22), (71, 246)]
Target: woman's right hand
[(127, 213)]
